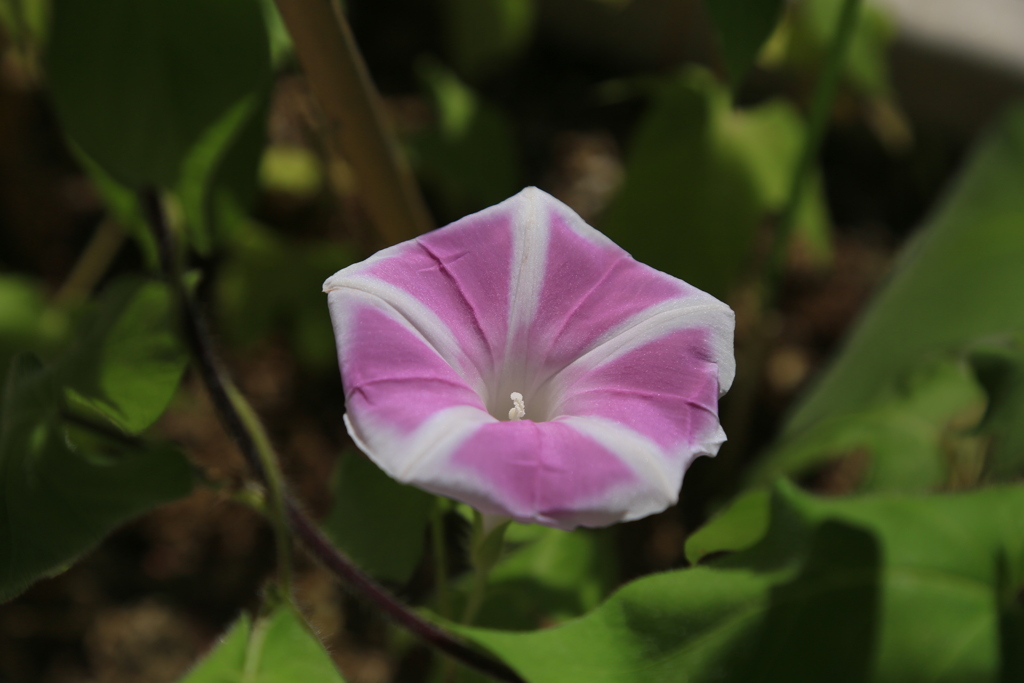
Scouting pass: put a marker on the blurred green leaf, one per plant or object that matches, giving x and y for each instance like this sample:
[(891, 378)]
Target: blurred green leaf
[(63, 491), (122, 205), (804, 36), (469, 158), (278, 648), (223, 161), (483, 36), (26, 322), (871, 588), (913, 438), (737, 527), (743, 27), (25, 21), (701, 176), (376, 521), (546, 576), (768, 138), (272, 285), (957, 281), (128, 362), (136, 83), (281, 47), (1001, 371)]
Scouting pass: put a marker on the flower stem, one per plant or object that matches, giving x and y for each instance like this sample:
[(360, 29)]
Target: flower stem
[(821, 105), (244, 426), (485, 550), (356, 126), (444, 605)]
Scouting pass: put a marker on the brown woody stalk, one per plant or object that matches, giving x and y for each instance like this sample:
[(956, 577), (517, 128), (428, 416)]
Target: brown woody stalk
[(357, 129)]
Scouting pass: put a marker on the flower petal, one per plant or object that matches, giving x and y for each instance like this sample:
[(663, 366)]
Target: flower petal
[(393, 379)]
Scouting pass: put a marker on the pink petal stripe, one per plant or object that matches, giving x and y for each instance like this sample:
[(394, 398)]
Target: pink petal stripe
[(463, 274), (392, 377), (544, 472), (666, 390), (589, 288)]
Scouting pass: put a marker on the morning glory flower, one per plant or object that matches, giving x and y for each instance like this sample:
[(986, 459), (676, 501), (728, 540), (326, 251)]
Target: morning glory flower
[(519, 361)]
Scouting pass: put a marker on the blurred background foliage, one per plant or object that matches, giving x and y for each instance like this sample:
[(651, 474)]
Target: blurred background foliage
[(887, 375)]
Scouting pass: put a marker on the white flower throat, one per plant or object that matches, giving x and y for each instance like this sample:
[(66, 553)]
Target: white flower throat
[(518, 411)]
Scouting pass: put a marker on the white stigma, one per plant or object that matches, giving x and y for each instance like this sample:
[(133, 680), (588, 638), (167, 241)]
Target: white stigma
[(518, 411)]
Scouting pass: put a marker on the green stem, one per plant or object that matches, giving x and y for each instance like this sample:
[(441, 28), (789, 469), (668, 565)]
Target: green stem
[(254, 650), (476, 595), (485, 550), (821, 105), (277, 510), (444, 605)]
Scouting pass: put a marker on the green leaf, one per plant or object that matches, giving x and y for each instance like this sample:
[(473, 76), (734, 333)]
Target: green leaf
[(545, 576), (128, 362), (482, 36), (26, 322), (136, 83), (63, 490), (887, 588), (224, 161), (957, 281), (25, 21), (743, 27), (269, 284), (278, 648), (1001, 371), (913, 438), (558, 576), (470, 157), (806, 35), (700, 176), (737, 527), (122, 206), (376, 521), (821, 625)]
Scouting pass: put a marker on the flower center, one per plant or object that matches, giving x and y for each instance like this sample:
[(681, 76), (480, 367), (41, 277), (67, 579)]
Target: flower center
[(518, 411)]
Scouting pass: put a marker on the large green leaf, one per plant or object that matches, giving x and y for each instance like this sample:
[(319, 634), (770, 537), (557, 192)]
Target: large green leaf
[(136, 83), (278, 648), (378, 522), (62, 490), (958, 280), (743, 27), (699, 178), (128, 361), (736, 527), (915, 437), (887, 588)]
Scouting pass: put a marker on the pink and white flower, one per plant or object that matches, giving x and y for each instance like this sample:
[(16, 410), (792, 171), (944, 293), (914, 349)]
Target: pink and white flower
[(519, 361)]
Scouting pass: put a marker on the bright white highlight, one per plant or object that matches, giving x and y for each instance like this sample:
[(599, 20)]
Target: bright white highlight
[(518, 411)]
